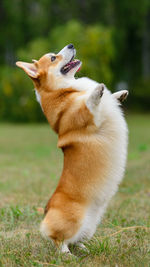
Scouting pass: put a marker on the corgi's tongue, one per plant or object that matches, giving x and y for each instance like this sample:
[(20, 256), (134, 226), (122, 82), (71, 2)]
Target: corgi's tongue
[(74, 63), (70, 65)]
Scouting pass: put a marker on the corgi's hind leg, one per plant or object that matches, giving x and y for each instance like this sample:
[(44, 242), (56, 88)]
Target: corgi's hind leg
[(62, 223)]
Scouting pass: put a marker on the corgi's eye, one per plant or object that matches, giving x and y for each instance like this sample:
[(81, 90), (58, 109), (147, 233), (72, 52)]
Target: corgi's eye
[(53, 58)]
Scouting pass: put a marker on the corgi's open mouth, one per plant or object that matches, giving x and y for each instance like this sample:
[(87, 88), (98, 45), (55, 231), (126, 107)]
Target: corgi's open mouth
[(70, 65)]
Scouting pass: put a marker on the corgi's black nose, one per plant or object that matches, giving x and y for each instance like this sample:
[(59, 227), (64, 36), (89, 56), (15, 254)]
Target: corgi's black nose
[(70, 46)]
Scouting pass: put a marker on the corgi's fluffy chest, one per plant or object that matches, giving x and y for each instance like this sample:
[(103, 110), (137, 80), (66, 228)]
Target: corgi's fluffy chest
[(93, 136)]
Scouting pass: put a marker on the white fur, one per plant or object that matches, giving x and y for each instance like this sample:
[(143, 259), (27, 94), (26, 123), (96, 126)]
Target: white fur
[(44, 230), (38, 97), (115, 135), (67, 55), (113, 132), (118, 94), (65, 249)]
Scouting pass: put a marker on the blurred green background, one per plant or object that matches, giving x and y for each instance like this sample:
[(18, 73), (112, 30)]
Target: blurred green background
[(112, 39)]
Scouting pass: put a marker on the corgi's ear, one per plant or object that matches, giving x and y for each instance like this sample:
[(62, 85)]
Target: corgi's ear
[(121, 95), (29, 68)]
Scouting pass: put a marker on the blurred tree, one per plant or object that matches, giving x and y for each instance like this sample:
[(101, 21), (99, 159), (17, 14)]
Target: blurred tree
[(130, 22), (146, 47), (17, 100), (24, 20), (96, 49), (113, 38)]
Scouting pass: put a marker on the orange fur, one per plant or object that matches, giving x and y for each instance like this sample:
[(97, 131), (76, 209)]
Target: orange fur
[(82, 173)]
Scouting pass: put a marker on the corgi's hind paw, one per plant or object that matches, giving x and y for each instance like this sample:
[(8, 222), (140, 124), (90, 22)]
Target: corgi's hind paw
[(65, 249), (82, 246)]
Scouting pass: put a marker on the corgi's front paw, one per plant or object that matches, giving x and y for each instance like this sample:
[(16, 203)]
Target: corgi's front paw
[(98, 92), (95, 96), (121, 95)]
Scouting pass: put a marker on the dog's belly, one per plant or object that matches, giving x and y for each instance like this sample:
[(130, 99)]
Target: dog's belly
[(95, 211), (92, 219), (103, 193)]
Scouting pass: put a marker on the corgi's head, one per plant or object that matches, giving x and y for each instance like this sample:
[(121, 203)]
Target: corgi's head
[(52, 71)]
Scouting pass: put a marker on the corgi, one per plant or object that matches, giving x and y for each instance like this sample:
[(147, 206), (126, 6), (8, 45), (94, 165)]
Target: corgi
[(93, 136)]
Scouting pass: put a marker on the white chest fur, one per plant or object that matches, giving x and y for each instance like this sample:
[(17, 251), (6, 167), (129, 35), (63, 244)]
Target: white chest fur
[(38, 98)]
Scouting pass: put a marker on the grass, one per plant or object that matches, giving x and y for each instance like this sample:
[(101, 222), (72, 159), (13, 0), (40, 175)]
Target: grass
[(30, 166)]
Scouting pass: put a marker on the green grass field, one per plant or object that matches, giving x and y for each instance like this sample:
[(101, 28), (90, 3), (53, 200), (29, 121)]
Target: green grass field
[(30, 166)]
